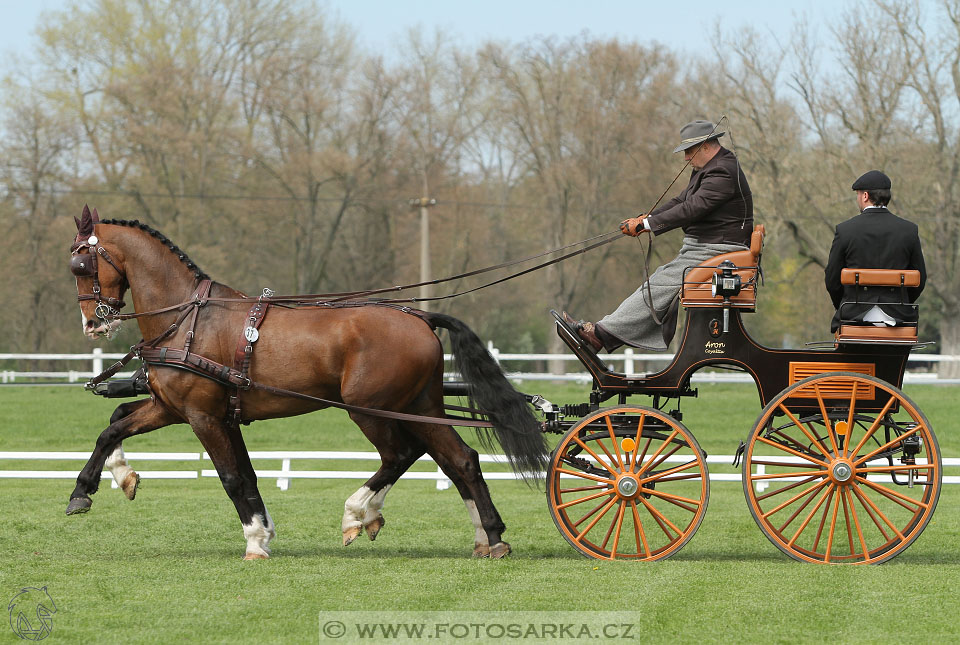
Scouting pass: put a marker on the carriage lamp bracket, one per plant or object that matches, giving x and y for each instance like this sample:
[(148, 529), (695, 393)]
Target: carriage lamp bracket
[(912, 446), (726, 284)]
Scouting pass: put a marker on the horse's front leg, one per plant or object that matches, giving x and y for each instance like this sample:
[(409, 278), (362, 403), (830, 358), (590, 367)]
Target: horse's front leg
[(126, 477), (224, 443), (144, 417)]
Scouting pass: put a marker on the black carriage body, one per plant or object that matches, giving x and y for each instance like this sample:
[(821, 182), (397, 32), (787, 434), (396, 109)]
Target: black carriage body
[(704, 344)]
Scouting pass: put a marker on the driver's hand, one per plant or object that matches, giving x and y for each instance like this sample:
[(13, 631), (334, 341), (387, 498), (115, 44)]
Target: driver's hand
[(633, 226)]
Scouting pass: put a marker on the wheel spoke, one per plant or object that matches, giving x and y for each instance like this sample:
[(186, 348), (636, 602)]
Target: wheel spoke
[(826, 418), (685, 503), (580, 489), (823, 519), (600, 461), (846, 444), (616, 445), (656, 454), (846, 519), (593, 512), (897, 439), (663, 458), (809, 491), (869, 502), (896, 469), (809, 517), (873, 426), (803, 428), (671, 471), (876, 522), (800, 509), (615, 526), (796, 453), (580, 500), (893, 495), (577, 473), (636, 442), (856, 522), (833, 526), (819, 473), (783, 489), (785, 464), (660, 517), (599, 516), (638, 530)]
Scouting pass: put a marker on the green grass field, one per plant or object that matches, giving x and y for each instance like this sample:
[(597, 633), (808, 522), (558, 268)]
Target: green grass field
[(168, 566)]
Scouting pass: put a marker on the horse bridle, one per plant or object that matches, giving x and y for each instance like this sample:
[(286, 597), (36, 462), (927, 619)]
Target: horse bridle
[(85, 265)]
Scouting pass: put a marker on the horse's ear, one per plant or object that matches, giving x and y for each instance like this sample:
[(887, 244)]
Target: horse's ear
[(85, 226), (78, 223), (96, 216)]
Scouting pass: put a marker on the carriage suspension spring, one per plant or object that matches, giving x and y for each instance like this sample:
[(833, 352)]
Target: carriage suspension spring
[(575, 409)]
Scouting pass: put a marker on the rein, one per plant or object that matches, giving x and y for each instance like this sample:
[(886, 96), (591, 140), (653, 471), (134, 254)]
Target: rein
[(349, 298)]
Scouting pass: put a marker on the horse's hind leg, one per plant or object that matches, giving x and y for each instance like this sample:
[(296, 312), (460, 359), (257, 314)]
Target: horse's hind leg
[(224, 443), (398, 451), (461, 464), (142, 418), (126, 477)]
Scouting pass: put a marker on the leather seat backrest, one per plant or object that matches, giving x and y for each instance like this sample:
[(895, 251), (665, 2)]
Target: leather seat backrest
[(696, 283)]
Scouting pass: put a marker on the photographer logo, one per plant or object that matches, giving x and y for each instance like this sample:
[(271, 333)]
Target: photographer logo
[(31, 613)]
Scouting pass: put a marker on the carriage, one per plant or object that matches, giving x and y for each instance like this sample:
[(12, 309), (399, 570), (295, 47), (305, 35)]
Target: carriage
[(840, 467)]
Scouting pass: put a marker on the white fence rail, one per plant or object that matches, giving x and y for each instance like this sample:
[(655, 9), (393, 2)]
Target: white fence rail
[(198, 462), (628, 359)]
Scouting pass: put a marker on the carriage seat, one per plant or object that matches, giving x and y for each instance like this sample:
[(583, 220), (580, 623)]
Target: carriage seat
[(859, 333), (695, 291)]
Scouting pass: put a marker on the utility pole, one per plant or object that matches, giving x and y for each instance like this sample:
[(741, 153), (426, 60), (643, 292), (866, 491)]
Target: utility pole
[(424, 203)]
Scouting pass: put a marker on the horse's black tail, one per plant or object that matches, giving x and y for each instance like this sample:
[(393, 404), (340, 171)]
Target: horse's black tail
[(514, 425)]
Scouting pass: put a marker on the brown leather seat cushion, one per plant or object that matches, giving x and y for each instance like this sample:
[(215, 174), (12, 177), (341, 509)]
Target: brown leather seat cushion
[(878, 334)]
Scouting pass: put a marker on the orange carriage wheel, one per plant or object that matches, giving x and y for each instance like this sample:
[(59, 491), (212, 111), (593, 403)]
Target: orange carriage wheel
[(842, 468), (628, 483)]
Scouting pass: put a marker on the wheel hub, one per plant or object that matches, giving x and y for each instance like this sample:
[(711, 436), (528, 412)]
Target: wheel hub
[(841, 471), (628, 486)]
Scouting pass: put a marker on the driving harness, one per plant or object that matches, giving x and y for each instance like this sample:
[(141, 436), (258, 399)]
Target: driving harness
[(236, 377)]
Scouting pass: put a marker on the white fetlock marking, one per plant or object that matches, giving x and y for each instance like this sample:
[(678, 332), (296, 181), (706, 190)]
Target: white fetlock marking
[(117, 465), (258, 536), (353, 509), (363, 507), (375, 505), (480, 535)]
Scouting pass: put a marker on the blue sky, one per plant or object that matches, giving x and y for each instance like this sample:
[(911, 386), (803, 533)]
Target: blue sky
[(380, 24)]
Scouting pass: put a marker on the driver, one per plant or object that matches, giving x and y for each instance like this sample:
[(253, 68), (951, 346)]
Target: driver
[(715, 211)]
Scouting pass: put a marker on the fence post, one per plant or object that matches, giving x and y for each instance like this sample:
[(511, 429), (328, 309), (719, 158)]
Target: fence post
[(283, 483), (493, 351), (97, 360), (628, 361)]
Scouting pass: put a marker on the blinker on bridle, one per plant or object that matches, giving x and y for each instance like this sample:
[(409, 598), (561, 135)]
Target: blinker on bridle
[(84, 265)]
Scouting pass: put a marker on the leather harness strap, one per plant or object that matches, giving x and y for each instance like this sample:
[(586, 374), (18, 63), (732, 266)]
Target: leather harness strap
[(241, 358)]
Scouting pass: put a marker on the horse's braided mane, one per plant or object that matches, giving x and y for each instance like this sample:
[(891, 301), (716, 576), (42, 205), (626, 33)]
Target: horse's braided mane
[(197, 271)]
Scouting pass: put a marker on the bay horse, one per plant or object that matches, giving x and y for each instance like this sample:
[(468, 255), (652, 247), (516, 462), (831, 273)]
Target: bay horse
[(374, 357)]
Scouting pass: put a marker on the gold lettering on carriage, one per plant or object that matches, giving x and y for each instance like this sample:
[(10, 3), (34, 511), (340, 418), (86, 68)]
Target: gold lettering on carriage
[(714, 347)]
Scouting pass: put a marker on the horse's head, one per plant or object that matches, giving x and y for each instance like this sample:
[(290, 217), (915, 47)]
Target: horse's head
[(101, 281)]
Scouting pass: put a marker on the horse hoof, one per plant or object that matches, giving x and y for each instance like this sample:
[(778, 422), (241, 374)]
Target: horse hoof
[(130, 484), (350, 535), (373, 528), (255, 556), (499, 551), (79, 505), (481, 550)]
